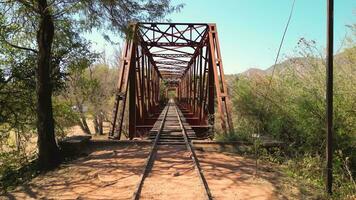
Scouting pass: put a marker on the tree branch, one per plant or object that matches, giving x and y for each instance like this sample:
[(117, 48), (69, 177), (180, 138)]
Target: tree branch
[(19, 47), (29, 5)]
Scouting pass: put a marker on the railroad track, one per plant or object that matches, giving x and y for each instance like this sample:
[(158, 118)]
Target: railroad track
[(170, 130)]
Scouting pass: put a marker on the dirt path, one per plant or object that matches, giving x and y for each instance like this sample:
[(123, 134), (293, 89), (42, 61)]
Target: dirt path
[(110, 173), (113, 173), (173, 176), (233, 177)]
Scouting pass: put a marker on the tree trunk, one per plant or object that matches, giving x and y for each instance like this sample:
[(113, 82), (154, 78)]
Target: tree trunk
[(96, 124), (17, 140), (48, 151), (101, 118), (83, 124)]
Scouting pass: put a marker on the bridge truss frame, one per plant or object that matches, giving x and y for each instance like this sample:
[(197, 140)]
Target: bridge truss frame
[(184, 56)]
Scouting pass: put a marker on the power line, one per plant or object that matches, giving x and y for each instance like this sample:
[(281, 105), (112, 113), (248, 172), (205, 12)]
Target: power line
[(282, 41), (279, 49)]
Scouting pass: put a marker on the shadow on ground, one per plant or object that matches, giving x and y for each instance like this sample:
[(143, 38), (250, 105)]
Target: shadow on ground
[(108, 173), (113, 172)]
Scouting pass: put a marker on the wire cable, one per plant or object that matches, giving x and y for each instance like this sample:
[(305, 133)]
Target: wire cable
[(282, 41)]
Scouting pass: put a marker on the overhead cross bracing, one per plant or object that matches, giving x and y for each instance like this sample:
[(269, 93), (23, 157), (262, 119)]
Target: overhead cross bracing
[(184, 57), (172, 46)]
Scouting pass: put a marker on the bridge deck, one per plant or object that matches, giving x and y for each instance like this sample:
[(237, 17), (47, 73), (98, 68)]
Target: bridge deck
[(171, 132)]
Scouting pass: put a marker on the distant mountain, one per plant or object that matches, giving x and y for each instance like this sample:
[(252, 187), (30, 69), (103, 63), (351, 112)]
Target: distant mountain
[(253, 72), (301, 65), (280, 68)]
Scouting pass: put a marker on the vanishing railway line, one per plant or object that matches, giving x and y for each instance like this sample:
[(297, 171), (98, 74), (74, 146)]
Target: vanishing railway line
[(183, 59), (170, 129)]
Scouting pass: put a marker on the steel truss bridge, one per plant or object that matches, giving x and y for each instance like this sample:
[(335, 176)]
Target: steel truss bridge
[(181, 57)]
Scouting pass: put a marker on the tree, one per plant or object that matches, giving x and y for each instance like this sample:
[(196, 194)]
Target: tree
[(102, 94), (90, 90), (292, 110), (79, 91), (38, 21)]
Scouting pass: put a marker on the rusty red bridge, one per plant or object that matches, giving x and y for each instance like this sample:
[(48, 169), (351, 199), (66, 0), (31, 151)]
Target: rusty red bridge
[(162, 60)]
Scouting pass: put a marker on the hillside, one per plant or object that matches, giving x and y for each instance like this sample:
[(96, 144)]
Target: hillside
[(300, 64)]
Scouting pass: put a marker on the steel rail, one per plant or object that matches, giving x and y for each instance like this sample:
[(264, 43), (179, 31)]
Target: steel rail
[(150, 158), (194, 157), (153, 152)]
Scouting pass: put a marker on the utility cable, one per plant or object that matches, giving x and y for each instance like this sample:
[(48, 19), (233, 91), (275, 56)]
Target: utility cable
[(282, 41)]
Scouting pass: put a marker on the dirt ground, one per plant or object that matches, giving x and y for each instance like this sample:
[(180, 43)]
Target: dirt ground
[(113, 173), (173, 176), (76, 130), (110, 173), (234, 177)]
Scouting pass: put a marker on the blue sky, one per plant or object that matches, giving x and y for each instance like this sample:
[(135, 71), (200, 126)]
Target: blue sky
[(250, 30)]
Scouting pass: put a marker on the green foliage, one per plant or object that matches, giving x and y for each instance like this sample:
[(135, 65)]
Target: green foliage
[(290, 107), (162, 92), (18, 62), (309, 171), (64, 117), (20, 23), (242, 132), (15, 168), (89, 92), (18, 35)]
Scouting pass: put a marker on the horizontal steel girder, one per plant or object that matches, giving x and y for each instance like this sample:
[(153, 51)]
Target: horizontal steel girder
[(171, 62), (171, 44), (186, 55)]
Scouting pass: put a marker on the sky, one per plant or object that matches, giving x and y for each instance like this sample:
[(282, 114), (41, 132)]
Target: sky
[(250, 31)]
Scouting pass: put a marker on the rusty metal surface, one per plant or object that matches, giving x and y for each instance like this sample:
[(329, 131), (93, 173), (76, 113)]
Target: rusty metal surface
[(184, 56)]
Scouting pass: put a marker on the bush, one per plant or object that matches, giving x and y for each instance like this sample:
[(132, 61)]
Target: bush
[(290, 107), (16, 168)]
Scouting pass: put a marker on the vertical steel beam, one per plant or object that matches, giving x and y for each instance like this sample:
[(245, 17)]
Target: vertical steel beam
[(143, 95), (148, 87), (329, 95), (206, 84), (201, 87), (132, 97), (211, 94), (219, 79), (126, 65), (194, 85), (138, 87)]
